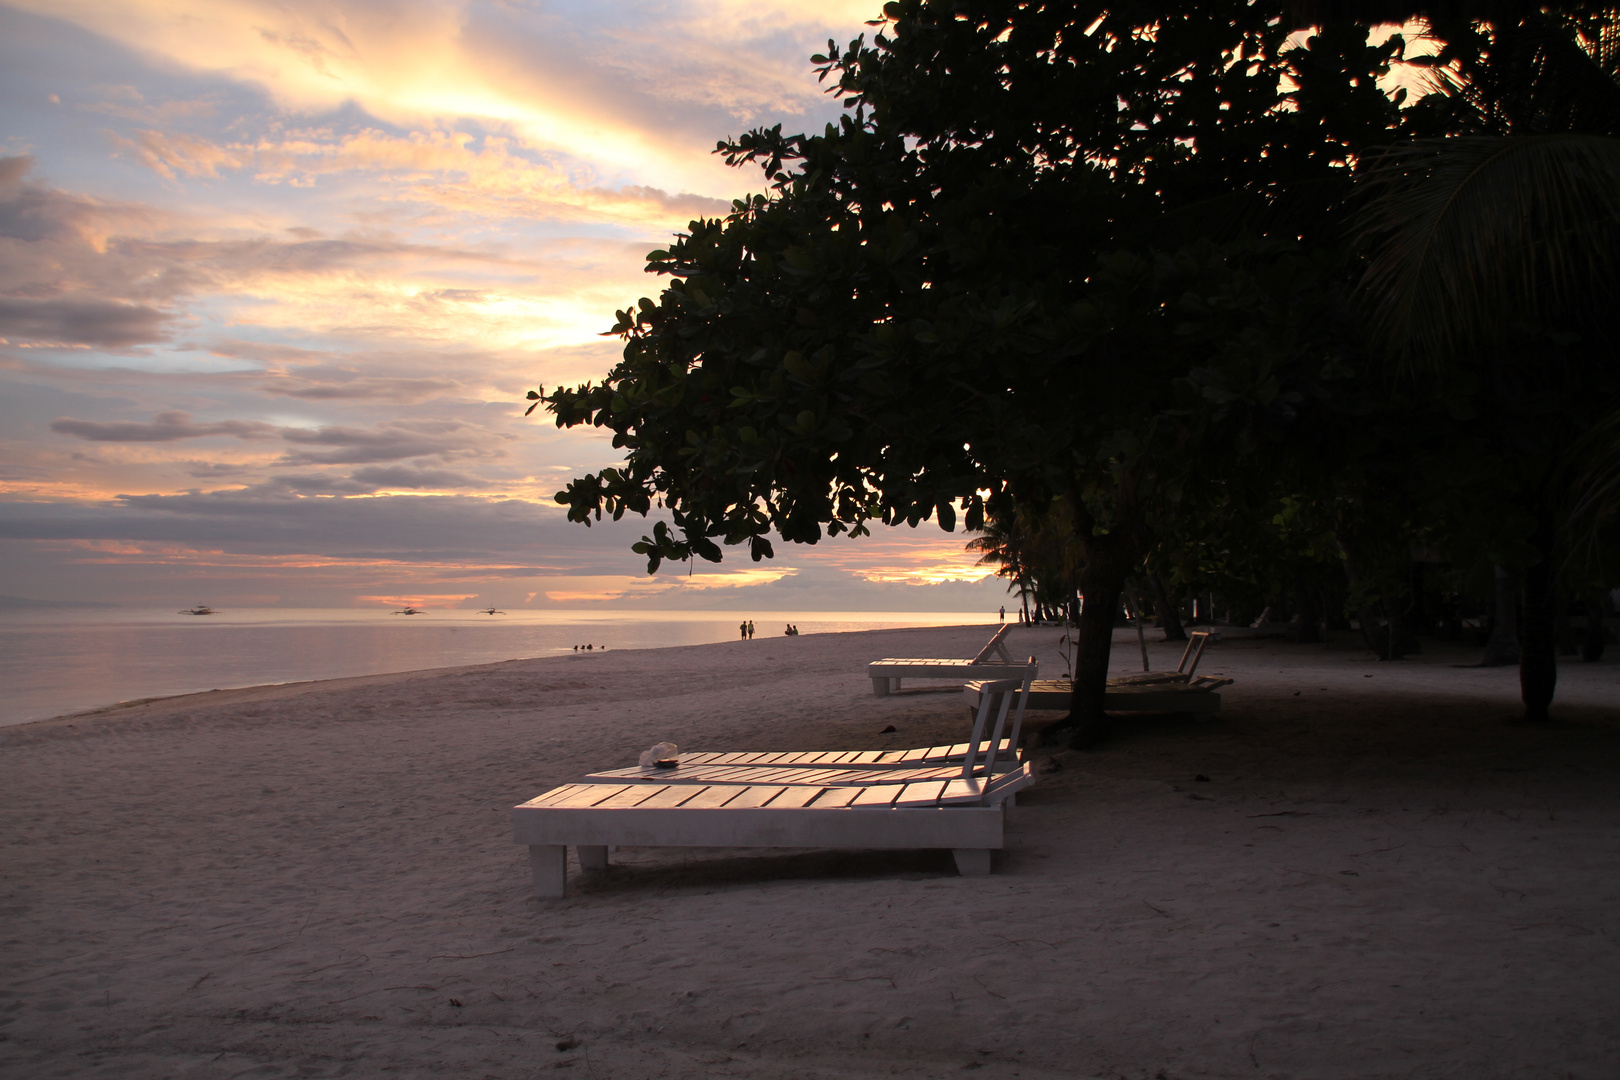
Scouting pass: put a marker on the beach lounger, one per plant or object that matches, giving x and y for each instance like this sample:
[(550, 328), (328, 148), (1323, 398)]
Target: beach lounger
[(1196, 697), (964, 814), (887, 673), (1178, 691), (860, 767)]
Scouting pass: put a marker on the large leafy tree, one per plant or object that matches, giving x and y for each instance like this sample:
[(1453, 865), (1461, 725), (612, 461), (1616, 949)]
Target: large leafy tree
[(1059, 250)]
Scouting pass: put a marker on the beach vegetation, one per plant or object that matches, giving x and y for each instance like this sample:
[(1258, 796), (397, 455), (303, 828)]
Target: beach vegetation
[(1082, 268)]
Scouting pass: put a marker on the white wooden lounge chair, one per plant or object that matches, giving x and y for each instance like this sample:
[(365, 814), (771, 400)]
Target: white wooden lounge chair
[(1179, 691), (887, 673), (1196, 697), (964, 814), (859, 767)]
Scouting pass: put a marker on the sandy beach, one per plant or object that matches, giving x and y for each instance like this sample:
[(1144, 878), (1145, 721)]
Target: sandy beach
[(1359, 870)]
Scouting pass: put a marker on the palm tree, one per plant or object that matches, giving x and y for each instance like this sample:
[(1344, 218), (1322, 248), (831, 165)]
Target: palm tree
[(1033, 547), (1495, 256)]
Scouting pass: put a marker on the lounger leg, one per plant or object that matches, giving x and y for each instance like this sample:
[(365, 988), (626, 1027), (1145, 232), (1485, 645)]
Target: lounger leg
[(549, 865), (972, 862), (593, 857), (880, 686)]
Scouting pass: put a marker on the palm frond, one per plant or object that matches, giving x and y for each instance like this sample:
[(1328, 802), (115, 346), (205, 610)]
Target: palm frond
[(1594, 489), (1467, 236)]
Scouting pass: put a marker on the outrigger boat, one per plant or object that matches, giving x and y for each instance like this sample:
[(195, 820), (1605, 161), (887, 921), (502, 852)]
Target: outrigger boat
[(200, 609)]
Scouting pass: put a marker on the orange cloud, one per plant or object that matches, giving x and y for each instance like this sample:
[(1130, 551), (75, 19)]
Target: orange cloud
[(602, 97), (419, 600)]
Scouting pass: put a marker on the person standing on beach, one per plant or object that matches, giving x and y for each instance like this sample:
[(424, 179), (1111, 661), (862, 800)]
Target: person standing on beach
[(750, 625), (742, 631), (1003, 612)]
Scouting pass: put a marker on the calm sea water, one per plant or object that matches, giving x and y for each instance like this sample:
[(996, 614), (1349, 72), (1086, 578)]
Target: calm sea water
[(56, 662)]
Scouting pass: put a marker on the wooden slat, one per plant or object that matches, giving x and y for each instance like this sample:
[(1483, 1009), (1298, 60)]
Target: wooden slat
[(775, 776), (714, 795), (630, 796), (552, 796), (667, 798), (923, 794), (585, 795), (794, 797), (713, 774), (755, 796), (961, 791), (877, 795), (835, 798), (840, 777)]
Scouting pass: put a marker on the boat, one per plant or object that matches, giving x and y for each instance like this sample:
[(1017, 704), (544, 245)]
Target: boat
[(409, 611), (200, 609), (490, 611)]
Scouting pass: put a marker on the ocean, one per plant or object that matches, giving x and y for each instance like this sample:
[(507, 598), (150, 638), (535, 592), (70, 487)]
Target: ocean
[(59, 661)]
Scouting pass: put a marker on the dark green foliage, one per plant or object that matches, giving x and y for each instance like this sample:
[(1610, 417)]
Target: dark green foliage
[(1062, 254)]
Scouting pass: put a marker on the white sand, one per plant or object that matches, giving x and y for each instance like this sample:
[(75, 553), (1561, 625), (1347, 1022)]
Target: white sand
[(1380, 879)]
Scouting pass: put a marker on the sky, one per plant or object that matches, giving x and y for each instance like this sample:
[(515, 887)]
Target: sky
[(275, 276)]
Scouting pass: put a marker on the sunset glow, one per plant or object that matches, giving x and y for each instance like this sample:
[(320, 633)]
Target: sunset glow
[(279, 274)]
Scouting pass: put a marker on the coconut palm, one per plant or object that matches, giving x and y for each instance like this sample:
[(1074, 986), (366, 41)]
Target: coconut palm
[(1494, 257)]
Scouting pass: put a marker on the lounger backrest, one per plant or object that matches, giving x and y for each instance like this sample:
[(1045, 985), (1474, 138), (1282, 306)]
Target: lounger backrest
[(1018, 721), (995, 646), (996, 695), (1195, 649)]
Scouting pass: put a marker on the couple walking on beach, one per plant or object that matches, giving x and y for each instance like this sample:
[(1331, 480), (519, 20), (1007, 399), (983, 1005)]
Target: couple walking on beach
[(747, 630)]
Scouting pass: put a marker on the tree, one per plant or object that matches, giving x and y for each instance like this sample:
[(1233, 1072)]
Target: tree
[(1495, 258), (1053, 251)]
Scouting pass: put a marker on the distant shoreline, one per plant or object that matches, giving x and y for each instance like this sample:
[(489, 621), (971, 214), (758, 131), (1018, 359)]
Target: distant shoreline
[(64, 663)]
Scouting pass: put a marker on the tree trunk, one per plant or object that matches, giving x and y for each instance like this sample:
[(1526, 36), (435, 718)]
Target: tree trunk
[(1419, 622), (1380, 639), (1567, 645), (1593, 640), (1101, 583), (1307, 617), (1169, 618), (1538, 645), (1109, 557), (1502, 648)]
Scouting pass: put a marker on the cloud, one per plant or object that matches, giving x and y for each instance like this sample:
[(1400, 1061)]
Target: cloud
[(397, 477), (76, 271), (637, 86), (351, 235), (172, 154), (165, 427), (58, 283), (105, 323), (491, 176), (392, 440), (354, 387), (325, 549)]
